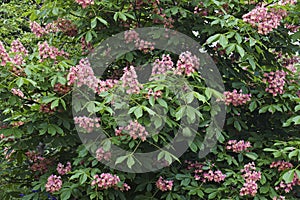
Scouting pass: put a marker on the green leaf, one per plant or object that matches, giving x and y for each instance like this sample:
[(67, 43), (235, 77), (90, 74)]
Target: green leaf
[(230, 48), (297, 108), (162, 102), (251, 155), (240, 50), (223, 41), (288, 176), (238, 38), (94, 23), (82, 179), (121, 159), (54, 104), (103, 21), (252, 106), (88, 36), (66, 194), (130, 161), (237, 126), (213, 38), (138, 112)]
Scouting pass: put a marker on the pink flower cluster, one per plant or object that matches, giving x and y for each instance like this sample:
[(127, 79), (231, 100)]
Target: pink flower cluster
[(264, 18), (292, 28), (281, 165), (205, 175), (85, 3), (83, 74), (187, 63), (107, 84), (38, 162), (251, 176), (140, 44), (101, 154), (135, 130), (289, 62), (62, 170), (3, 55), (161, 67), (130, 82), (87, 123), (236, 98), (37, 29), (54, 183), (17, 124), (238, 146), (287, 187), (164, 185), (47, 51), (17, 47), (17, 92), (276, 82), (216, 176), (105, 181), (156, 94)]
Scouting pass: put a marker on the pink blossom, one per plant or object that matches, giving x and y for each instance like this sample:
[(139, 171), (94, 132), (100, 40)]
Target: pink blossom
[(62, 170), (85, 3), (281, 165), (105, 180), (47, 51), (161, 67), (135, 130), (236, 98), (101, 154), (187, 63), (17, 92), (264, 18), (17, 47), (216, 176), (275, 82), (87, 123), (164, 185), (238, 146), (3, 55), (130, 82), (156, 94), (53, 184), (250, 177), (37, 29)]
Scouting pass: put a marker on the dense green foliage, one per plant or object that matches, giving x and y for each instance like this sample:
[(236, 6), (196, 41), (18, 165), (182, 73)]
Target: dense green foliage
[(40, 122)]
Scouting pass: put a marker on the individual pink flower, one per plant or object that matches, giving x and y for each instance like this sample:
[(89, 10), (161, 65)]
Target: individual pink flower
[(130, 82), (62, 170), (156, 94), (164, 185), (54, 183)]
